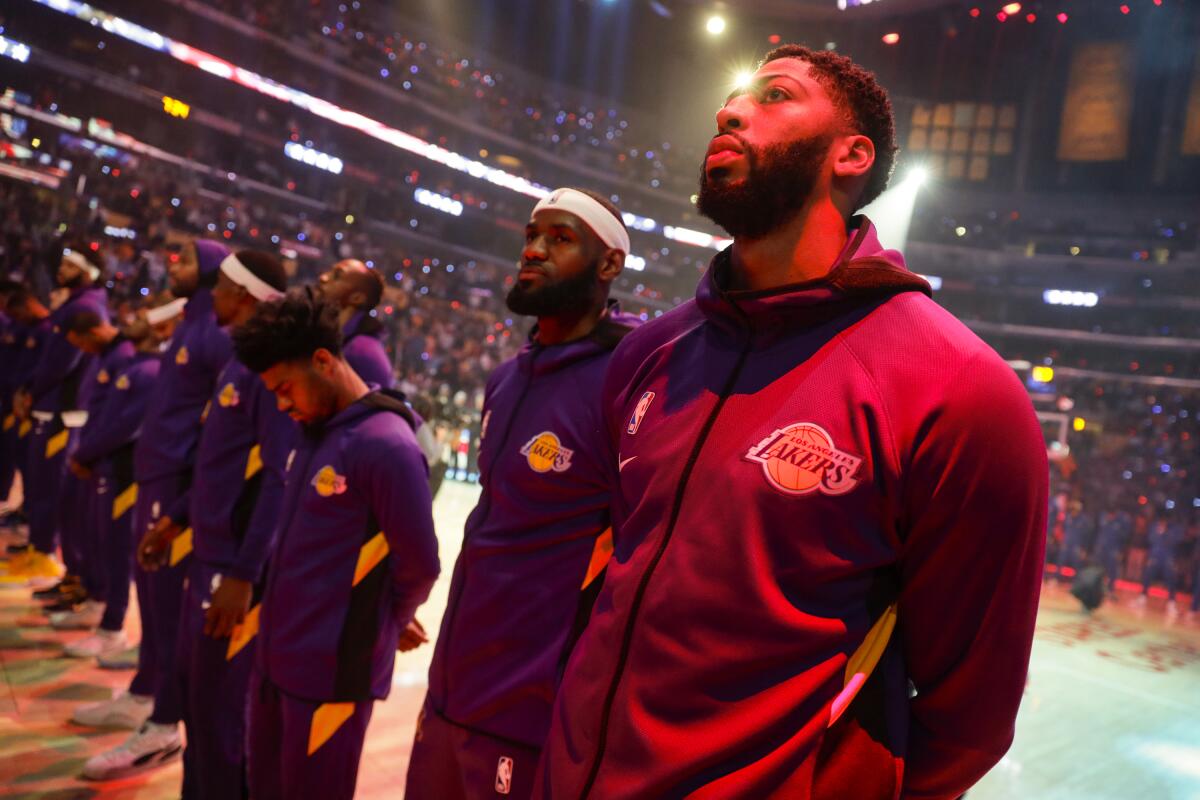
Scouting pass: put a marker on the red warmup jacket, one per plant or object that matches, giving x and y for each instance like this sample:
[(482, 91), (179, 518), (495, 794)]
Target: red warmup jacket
[(793, 463)]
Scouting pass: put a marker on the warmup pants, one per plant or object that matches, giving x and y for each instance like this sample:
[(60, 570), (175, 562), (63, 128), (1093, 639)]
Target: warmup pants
[(302, 749), (451, 763), (160, 601), (216, 677)]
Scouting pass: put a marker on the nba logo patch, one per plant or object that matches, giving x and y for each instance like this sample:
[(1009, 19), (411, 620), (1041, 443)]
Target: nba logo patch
[(504, 772), (800, 459), (639, 412)]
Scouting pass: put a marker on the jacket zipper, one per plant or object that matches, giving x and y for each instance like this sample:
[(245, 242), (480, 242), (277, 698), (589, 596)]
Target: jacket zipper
[(644, 581), (452, 608)]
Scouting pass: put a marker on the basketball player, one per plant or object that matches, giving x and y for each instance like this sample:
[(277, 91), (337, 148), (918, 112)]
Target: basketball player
[(540, 532), (54, 498), (829, 491), (163, 463), (105, 452), (356, 555), (236, 495), (356, 290)]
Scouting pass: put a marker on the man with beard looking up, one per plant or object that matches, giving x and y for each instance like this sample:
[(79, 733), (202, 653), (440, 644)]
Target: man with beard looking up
[(537, 541), (830, 490), (356, 289)]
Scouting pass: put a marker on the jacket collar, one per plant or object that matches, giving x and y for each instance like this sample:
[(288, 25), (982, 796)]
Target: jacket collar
[(541, 359), (864, 271)]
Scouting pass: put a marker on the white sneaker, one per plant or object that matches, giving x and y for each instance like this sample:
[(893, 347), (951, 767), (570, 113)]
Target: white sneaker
[(1172, 609), (125, 659), (153, 745), (100, 643), (1140, 602), (126, 710), (84, 618)]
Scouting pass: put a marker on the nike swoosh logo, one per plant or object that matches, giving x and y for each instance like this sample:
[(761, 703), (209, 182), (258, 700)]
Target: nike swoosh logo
[(621, 465)]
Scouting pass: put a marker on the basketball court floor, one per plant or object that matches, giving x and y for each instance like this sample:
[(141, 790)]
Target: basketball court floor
[(1111, 712)]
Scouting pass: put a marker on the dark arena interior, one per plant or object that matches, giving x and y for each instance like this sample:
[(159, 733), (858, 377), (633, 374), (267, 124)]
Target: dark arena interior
[(600, 399)]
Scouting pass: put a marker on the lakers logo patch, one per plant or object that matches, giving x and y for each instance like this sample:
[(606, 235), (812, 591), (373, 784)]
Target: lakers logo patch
[(122, 382), (328, 483), (801, 459), (181, 356), (229, 396), (545, 452), (639, 412), (102, 376)]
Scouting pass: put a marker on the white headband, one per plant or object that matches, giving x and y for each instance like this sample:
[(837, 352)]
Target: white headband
[(237, 272), (602, 222), (71, 257), (166, 311)]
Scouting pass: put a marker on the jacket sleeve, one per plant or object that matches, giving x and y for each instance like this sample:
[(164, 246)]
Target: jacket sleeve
[(975, 533), (214, 350), (276, 433), (56, 361), (397, 481), (120, 419)]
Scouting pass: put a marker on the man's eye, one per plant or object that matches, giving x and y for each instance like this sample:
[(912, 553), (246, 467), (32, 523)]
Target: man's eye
[(775, 93)]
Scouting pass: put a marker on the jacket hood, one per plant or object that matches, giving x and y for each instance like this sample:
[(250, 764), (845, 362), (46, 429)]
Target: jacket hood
[(362, 324), (210, 255), (613, 326), (864, 271), (375, 400)]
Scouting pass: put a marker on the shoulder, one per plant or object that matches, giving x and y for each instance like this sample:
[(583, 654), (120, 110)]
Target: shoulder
[(659, 333), (383, 441)]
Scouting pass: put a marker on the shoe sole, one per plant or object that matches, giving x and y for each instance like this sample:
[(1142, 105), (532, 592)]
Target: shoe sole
[(144, 763), (110, 724), (116, 666)]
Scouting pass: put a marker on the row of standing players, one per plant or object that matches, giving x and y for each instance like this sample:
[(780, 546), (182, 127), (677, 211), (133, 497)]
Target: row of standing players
[(156, 440), (1106, 545)]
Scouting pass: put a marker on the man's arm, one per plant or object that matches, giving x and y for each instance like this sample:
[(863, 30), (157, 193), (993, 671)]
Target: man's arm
[(276, 433), (975, 530), (56, 361), (397, 484)]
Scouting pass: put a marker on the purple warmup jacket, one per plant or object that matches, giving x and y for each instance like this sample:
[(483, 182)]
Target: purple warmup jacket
[(98, 384), (197, 353), (56, 379), (792, 462), (356, 555), (114, 425), (545, 466), (240, 465), (362, 347)]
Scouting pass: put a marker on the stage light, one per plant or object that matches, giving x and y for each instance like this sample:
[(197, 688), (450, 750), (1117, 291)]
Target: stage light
[(715, 25), (14, 49), (891, 38), (1124, 9), (1031, 18), (1002, 16), (1043, 374), (635, 263), (1062, 17), (743, 78), (774, 38), (975, 12), (447, 205), (1067, 297), (918, 175), (1012, 8), (960, 231), (314, 158), (1079, 423), (894, 208)]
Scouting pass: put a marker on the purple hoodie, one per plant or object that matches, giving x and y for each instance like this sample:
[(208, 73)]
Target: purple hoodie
[(98, 385), (356, 554), (241, 460), (546, 471), (793, 461), (114, 426), (362, 347), (198, 352), (56, 379)]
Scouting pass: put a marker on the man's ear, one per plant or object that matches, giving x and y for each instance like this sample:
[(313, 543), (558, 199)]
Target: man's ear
[(356, 299), (854, 156), (323, 361), (611, 264)]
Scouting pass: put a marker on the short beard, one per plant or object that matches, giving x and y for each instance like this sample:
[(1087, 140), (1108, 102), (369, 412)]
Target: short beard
[(74, 283), (563, 298), (779, 183)]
